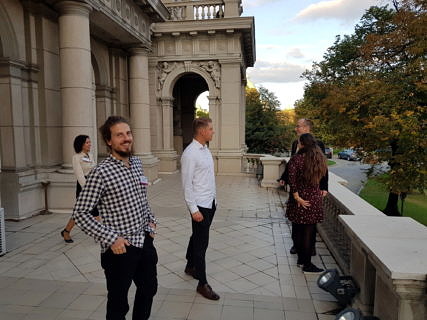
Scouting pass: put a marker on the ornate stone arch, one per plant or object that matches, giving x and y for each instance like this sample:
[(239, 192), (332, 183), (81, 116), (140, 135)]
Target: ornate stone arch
[(179, 69), (10, 48)]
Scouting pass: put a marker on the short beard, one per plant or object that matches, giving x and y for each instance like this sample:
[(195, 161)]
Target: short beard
[(124, 154)]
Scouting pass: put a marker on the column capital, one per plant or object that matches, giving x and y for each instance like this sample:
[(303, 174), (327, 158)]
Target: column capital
[(140, 51), (167, 101), (73, 7), (212, 99)]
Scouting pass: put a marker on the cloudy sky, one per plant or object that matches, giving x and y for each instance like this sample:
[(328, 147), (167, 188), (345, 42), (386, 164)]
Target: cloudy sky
[(291, 34)]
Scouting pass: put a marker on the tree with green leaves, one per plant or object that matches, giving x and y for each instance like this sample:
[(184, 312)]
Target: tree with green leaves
[(370, 93), (266, 132)]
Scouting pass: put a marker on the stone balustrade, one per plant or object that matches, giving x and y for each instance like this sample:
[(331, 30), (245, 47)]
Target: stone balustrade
[(272, 170), (386, 256), (251, 163), (204, 9)]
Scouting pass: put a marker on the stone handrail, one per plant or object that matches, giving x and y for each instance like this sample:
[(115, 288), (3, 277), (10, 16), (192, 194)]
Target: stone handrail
[(196, 10), (251, 164), (386, 256), (204, 9)]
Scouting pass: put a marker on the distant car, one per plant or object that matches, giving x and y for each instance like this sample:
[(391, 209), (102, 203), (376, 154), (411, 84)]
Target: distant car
[(328, 153), (348, 154)]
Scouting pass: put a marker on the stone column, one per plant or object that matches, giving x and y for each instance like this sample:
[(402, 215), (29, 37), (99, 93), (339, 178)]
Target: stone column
[(76, 74), (139, 101), (167, 155), (230, 150), (215, 115)]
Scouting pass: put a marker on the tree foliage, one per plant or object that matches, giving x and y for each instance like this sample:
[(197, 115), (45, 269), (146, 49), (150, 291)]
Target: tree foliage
[(370, 92), (266, 130)]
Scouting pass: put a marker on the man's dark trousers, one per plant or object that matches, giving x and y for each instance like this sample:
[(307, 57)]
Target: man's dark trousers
[(139, 265), (199, 241)]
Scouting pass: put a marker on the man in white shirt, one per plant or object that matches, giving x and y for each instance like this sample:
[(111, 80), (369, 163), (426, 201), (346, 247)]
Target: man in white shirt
[(198, 180)]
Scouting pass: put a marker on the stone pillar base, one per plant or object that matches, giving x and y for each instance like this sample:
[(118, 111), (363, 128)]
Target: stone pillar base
[(22, 194), (150, 163), (273, 167), (168, 161), (61, 195), (228, 162)]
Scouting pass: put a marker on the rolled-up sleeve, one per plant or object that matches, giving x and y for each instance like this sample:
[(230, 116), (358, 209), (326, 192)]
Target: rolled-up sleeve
[(86, 202)]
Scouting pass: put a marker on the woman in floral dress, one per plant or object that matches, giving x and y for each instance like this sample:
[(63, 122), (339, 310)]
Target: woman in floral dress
[(308, 181)]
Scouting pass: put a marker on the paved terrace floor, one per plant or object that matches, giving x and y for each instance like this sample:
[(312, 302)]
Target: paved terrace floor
[(248, 263)]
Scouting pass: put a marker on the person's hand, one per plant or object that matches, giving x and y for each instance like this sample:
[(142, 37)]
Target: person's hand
[(153, 226), (119, 246), (324, 193), (282, 183), (303, 203), (197, 216)]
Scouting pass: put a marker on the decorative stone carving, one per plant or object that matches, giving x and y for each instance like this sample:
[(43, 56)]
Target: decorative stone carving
[(127, 14), (215, 71), (164, 68)]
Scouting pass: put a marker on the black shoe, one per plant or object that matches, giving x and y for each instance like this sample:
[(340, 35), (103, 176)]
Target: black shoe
[(191, 271), (311, 269), (66, 240), (206, 291), (293, 250)]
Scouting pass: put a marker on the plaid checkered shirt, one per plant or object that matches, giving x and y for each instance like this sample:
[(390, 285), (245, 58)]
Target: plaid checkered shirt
[(120, 194)]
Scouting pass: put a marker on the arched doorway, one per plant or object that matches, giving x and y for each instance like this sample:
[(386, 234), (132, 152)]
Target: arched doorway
[(185, 93)]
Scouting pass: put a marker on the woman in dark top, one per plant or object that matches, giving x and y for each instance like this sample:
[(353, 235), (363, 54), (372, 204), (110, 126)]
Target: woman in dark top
[(308, 181)]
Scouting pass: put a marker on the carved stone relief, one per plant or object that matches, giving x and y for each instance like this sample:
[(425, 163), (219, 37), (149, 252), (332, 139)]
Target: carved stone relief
[(214, 69), (164, 68)]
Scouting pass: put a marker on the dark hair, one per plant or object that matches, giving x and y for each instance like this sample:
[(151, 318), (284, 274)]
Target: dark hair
[(105, 129), (314, 160), (199, 123), (79, 141)]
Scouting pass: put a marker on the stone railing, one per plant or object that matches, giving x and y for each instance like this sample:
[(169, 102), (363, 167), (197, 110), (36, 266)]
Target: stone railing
[(204, 9), (251, 164), (386, 256)]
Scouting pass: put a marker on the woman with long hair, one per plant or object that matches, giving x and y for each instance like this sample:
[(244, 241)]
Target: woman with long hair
[(308, 181), (83, 163)]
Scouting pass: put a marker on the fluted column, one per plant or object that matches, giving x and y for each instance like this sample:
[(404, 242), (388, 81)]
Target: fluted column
[(214, 114), (139, 100), (76, 74), (167, 122)]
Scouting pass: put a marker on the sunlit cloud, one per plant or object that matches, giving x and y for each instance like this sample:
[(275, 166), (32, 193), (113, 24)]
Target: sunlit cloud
[(256, 3), (345, 10), (275, 72)]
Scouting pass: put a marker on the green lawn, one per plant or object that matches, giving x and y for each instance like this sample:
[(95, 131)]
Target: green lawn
[(415, 204), (331, 163)]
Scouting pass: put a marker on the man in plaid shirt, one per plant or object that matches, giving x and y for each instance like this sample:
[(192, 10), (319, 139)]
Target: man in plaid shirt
[(117, 187)]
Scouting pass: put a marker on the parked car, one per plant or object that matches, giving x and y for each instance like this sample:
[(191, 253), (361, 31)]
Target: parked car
[(348, 154), (328, 152)]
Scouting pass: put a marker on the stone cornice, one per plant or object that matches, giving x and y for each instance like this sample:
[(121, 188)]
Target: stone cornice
[(243, 25)]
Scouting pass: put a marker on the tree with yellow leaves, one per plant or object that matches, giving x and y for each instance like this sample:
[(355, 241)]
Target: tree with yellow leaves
[(370, 93)]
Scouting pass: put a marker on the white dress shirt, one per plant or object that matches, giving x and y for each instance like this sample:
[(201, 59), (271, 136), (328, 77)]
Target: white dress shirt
[(83, 163), (198, 176)]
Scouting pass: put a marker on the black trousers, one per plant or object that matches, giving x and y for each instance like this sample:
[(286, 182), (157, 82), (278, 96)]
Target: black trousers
[(139, 265), (305, 239), (199, 241)]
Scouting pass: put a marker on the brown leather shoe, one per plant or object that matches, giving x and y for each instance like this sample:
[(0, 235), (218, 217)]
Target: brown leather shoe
[(206, 291)]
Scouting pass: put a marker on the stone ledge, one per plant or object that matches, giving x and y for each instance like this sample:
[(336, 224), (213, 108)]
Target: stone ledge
[(396, 244)]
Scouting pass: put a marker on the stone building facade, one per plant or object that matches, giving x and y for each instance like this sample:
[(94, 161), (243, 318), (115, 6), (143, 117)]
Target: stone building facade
[(66, 65)]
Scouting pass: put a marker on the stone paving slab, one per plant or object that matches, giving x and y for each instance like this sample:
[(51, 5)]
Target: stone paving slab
[(248, 263)]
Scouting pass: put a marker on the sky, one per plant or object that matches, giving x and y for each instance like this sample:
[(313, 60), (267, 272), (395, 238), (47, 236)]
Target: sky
[(291, 34)]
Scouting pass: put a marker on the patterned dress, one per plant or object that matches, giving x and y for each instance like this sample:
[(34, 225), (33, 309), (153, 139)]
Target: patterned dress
[(297, 214)]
